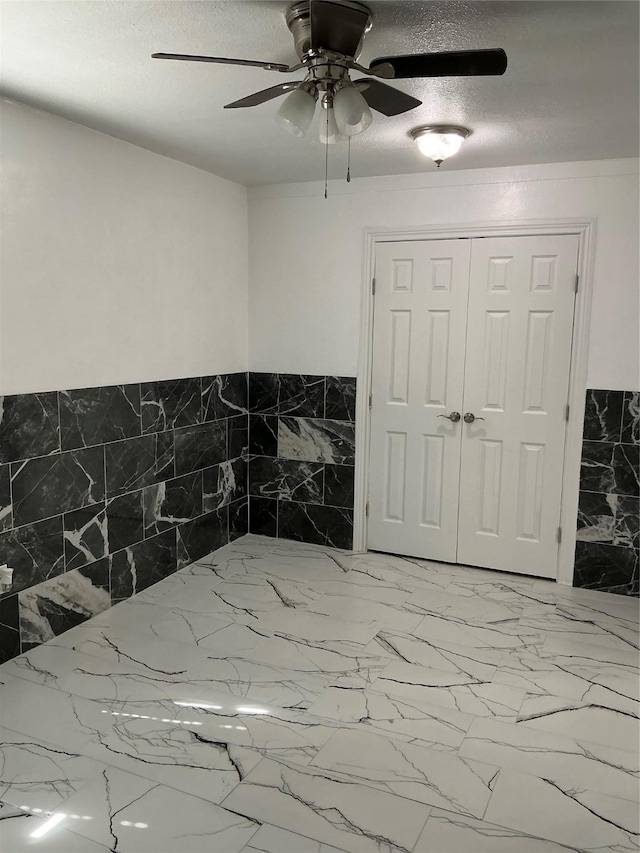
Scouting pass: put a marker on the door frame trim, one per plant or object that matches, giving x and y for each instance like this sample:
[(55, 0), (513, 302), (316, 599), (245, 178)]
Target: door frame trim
[(585, 230)]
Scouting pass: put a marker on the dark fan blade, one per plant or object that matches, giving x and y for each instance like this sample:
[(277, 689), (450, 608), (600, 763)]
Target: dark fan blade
[(336, 27), (385, 99), (221, 60), (454, 63), (261, 97)]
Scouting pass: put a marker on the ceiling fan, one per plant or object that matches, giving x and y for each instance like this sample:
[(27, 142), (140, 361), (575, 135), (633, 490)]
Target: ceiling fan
[(328, 37)]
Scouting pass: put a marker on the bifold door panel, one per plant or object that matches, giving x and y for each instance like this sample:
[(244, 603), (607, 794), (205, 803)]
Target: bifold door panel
[(471, 359)]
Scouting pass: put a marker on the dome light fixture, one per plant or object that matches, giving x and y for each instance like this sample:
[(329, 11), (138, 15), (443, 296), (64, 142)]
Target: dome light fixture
[(439, 141)]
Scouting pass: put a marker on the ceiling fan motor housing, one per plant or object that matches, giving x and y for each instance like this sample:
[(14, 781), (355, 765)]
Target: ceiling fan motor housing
[(299, 22)]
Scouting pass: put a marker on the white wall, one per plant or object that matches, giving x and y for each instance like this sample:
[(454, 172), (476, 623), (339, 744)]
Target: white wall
[(117, 265), (306, 255)]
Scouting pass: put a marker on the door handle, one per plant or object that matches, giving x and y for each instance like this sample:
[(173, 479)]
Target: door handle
[(469, 418), (454, 416)]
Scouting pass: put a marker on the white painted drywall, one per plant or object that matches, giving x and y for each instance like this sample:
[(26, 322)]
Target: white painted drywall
[(306, 254), (117, 265)]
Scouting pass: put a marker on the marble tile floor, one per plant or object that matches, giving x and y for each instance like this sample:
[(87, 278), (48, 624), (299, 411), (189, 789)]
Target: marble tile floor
[(277, 697)]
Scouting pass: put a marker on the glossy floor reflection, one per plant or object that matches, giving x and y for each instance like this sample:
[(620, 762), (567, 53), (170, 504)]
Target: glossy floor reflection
[(286, 698)]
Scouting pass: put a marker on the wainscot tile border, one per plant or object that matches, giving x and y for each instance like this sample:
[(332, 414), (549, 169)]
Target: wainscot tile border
[(93, 480)]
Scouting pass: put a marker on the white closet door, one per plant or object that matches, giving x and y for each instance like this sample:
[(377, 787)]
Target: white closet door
[(521, 303), (420, 316)]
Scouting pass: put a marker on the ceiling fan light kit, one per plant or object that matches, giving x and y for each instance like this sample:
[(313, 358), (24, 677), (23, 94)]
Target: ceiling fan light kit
[(439, 141), (328, 36), (297, 110), (351, 111)]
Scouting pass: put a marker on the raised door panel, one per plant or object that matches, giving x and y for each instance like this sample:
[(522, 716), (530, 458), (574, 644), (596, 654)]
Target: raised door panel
[(420, 315), (521, 303)]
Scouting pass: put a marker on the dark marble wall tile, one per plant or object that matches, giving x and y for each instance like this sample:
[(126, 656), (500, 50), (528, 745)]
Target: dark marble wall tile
[(85, 536), (137, 462), (238, 437), (199, 537), (29, 426), (9, 628), (596, 470), (92, 416), (627, 521), (200, 446), (6, 510), (224, 396), (264, 391), (141, 565), (263, 516), (263, 435), (603, 415), (286, 479), (631, 418), (300, 395), (626, 461), (238, 519), (596, 517), (607, 535), (316, 440), (339, 485), (320, 525), (340, 399), (171, 404), (224, 483), (63, 602), (608, 568), (171, 503), (35, 552), (50, 485), (125, 520)]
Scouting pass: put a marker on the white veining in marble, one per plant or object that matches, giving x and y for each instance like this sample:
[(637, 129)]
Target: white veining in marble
[(278, 697)]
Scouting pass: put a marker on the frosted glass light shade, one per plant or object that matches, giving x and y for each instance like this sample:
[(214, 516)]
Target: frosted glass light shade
[(329, 132), (296, 112), (438, 143), (351, 111)]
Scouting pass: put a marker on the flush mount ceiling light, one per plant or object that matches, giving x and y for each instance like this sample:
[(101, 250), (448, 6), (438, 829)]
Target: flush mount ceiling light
[(439, 141)]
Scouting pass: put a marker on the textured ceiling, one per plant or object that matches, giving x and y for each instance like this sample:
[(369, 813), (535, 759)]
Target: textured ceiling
[(570, 91)]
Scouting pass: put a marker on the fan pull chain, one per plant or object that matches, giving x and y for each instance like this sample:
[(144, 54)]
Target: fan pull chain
[(326, 157), (349, 160)]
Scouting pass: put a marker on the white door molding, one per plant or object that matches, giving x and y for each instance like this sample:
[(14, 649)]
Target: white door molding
[(585, 229)]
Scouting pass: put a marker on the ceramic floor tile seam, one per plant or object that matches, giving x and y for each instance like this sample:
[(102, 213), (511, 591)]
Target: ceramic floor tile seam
[(576, 817), (172, 783), (475, 699), (482, 832), (556, 758), (559, 625), (335, 804), (422, 777), (63, 841), (113, 780), (318, 846)]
